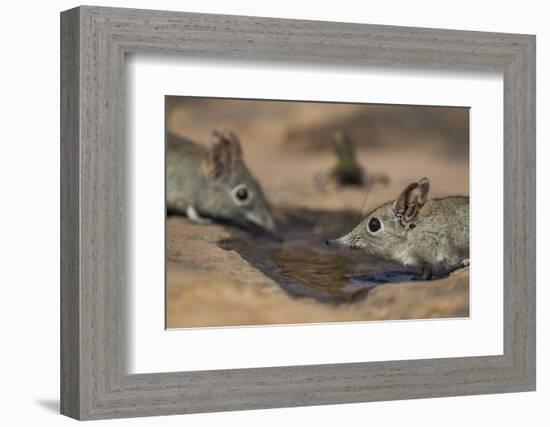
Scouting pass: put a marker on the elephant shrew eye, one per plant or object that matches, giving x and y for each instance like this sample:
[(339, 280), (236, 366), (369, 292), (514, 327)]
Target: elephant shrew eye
[(374, 225), (242, 194)]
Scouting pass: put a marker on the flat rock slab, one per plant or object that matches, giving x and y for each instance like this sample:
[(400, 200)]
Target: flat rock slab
[(211, 285)]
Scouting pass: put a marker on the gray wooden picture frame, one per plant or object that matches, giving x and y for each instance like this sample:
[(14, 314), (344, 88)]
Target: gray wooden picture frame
[(94, 381)]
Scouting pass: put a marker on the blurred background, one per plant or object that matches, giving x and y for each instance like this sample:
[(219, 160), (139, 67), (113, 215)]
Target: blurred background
[(287, 144)]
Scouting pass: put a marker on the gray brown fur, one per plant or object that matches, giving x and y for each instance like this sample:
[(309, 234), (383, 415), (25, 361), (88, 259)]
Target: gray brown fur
[(203, 183), (428, 236)]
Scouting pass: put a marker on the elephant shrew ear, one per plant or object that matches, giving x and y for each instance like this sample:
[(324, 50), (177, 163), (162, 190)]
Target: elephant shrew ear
[(411, 200), (225, 154)]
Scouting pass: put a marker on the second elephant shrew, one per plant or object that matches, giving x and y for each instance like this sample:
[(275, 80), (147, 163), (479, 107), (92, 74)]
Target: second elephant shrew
[(430, 237)]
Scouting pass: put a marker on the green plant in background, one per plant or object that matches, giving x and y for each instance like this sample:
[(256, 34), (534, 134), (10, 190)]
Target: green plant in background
[(346, 169)]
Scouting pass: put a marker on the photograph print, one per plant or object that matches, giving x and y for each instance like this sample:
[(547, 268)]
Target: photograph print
[(296, 212)]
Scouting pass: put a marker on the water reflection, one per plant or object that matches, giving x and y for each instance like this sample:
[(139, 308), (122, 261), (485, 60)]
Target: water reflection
[(305, 266)]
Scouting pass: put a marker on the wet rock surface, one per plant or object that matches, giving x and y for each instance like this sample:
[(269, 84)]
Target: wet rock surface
[(220, 276)]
